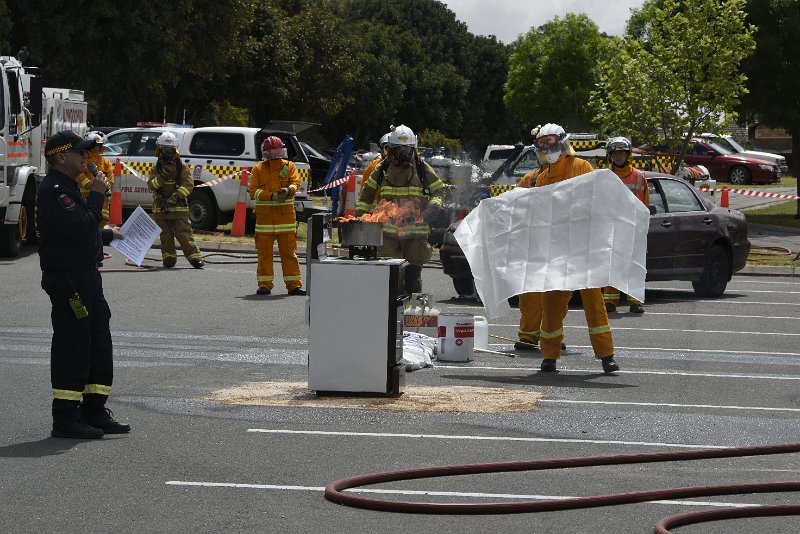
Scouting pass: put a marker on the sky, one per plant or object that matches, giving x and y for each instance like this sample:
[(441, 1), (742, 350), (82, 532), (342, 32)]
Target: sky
[(507, 19)]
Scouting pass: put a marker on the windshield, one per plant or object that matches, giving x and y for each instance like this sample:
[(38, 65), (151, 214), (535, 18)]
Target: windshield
[(735, 144), (719, 147), (310, 150)]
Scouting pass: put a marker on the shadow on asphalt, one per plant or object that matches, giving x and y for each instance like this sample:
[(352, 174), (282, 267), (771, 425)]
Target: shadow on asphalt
[(562, 380), (40, 448)]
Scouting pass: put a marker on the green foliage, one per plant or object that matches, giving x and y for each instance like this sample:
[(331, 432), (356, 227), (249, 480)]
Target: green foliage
[(436, 139), (552, 70), (684, 78)]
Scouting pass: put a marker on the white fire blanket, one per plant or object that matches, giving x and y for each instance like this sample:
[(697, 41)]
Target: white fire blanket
[(588, 231)]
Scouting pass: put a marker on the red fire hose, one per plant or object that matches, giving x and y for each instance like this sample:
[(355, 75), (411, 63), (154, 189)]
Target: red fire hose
[(335, 490)]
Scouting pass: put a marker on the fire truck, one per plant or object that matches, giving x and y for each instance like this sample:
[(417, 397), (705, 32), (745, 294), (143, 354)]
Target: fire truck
[(29, 113)]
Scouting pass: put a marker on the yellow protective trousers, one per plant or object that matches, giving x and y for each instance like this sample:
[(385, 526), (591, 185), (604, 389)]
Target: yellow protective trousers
[(612, 295), (287, 246), (530, 323), (552, 332), (176, 228)]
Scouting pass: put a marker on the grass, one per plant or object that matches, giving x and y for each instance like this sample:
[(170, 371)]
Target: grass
[(782, 214), (785, 181)]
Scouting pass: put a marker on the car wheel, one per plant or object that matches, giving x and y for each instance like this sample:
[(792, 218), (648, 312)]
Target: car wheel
[(739, 175), (10, 240), (465, 287), (716, 273), (202, 211)]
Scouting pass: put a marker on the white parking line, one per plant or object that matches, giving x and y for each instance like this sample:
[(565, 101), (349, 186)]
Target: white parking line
[(672, 405), (480, 438), (431, 493)]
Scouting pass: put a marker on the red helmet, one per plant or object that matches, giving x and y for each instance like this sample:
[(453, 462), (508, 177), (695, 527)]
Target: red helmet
[(273, 148)]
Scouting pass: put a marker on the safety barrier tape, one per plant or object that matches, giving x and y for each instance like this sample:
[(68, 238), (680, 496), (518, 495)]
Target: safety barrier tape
[(331, 185), (217, 181), (751, 193)]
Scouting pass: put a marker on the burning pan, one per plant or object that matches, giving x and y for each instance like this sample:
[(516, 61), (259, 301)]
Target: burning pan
[(361, 234)]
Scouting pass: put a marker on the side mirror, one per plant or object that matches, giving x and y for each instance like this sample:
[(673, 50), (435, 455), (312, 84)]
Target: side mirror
[(653, 210)]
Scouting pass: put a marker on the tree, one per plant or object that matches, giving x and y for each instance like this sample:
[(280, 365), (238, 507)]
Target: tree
[(773, 71), (552, 71), (683, 78)]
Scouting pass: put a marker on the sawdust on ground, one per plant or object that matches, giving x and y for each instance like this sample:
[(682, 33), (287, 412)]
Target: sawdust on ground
[(455, 399)]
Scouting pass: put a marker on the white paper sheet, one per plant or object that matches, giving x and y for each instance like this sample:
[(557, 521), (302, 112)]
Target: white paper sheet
[(588, 231), (139, 231)]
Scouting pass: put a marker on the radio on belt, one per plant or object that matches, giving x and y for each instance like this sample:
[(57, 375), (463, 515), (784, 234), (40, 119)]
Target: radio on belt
[(355, 319)]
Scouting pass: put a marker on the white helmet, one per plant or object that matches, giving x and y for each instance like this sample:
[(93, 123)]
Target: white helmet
[(622, 144), (402, 136), (167, 140), (98, 137), (551, 142), (384, 140)]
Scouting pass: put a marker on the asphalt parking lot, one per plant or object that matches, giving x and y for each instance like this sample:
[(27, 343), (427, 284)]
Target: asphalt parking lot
[(696, 373)]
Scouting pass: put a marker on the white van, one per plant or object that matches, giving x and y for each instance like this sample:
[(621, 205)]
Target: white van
[(495, 155), (212, 153)]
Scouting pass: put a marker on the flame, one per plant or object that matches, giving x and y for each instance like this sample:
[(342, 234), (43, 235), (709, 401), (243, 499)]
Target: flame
[(402, 213)]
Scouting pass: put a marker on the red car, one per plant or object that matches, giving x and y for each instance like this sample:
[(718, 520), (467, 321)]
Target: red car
[(725, 165)]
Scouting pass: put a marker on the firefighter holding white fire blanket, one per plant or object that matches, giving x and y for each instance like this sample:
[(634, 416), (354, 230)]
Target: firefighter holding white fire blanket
[(404, 194)]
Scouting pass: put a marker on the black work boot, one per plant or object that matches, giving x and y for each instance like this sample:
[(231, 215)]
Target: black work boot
[(609, 365), (637, 308), (526, 345), (548, 365), (611, 307), (297, 292), (413, 279), (93, 412), (263, 291), (197, 264), (169, 263), (67, 422)]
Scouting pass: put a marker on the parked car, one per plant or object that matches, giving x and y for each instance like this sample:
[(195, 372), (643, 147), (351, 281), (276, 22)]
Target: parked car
[(723, 164), (319, 163), (690, 238), (495, 155), (733, 145), (211, 153)]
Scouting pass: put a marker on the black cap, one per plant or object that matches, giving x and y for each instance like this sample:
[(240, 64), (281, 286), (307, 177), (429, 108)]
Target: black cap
[(66, 140)]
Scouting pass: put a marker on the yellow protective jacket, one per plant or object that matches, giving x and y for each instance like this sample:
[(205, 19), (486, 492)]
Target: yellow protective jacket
[(635, 181), (369, 170), (166, 184), (268, 177), (85, 178), (563, 169), (402, 186)]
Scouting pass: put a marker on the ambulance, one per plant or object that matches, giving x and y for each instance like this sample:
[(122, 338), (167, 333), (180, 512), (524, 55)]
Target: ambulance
[(216, 157)]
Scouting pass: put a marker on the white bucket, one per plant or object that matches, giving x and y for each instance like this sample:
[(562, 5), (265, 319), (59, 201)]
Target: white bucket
[(481, 332), (421, 321), (456, 337)]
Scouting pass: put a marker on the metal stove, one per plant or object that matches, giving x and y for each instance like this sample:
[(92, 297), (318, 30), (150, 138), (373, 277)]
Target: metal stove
[(355, 318)]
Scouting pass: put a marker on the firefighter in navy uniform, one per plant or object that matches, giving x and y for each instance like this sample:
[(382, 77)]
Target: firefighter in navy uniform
[(70, 246), (171, 184), (412, 185)]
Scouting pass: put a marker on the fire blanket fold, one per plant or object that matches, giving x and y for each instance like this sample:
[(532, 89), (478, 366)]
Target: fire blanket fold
[(588, 231)]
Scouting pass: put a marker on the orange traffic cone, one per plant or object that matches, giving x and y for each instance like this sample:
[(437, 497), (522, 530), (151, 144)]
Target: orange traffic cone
[(349, 196), (115, 212), (723, 200), (239, 216)]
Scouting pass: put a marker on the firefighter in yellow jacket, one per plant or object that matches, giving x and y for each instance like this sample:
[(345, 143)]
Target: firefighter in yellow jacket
[(171, 184), (619, 155), (85, 178), (273, 184), (384, 148), (552, 148), (412, 186)]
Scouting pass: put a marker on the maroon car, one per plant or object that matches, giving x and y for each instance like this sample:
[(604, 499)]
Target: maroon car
[(690, 238), (725, 165)]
